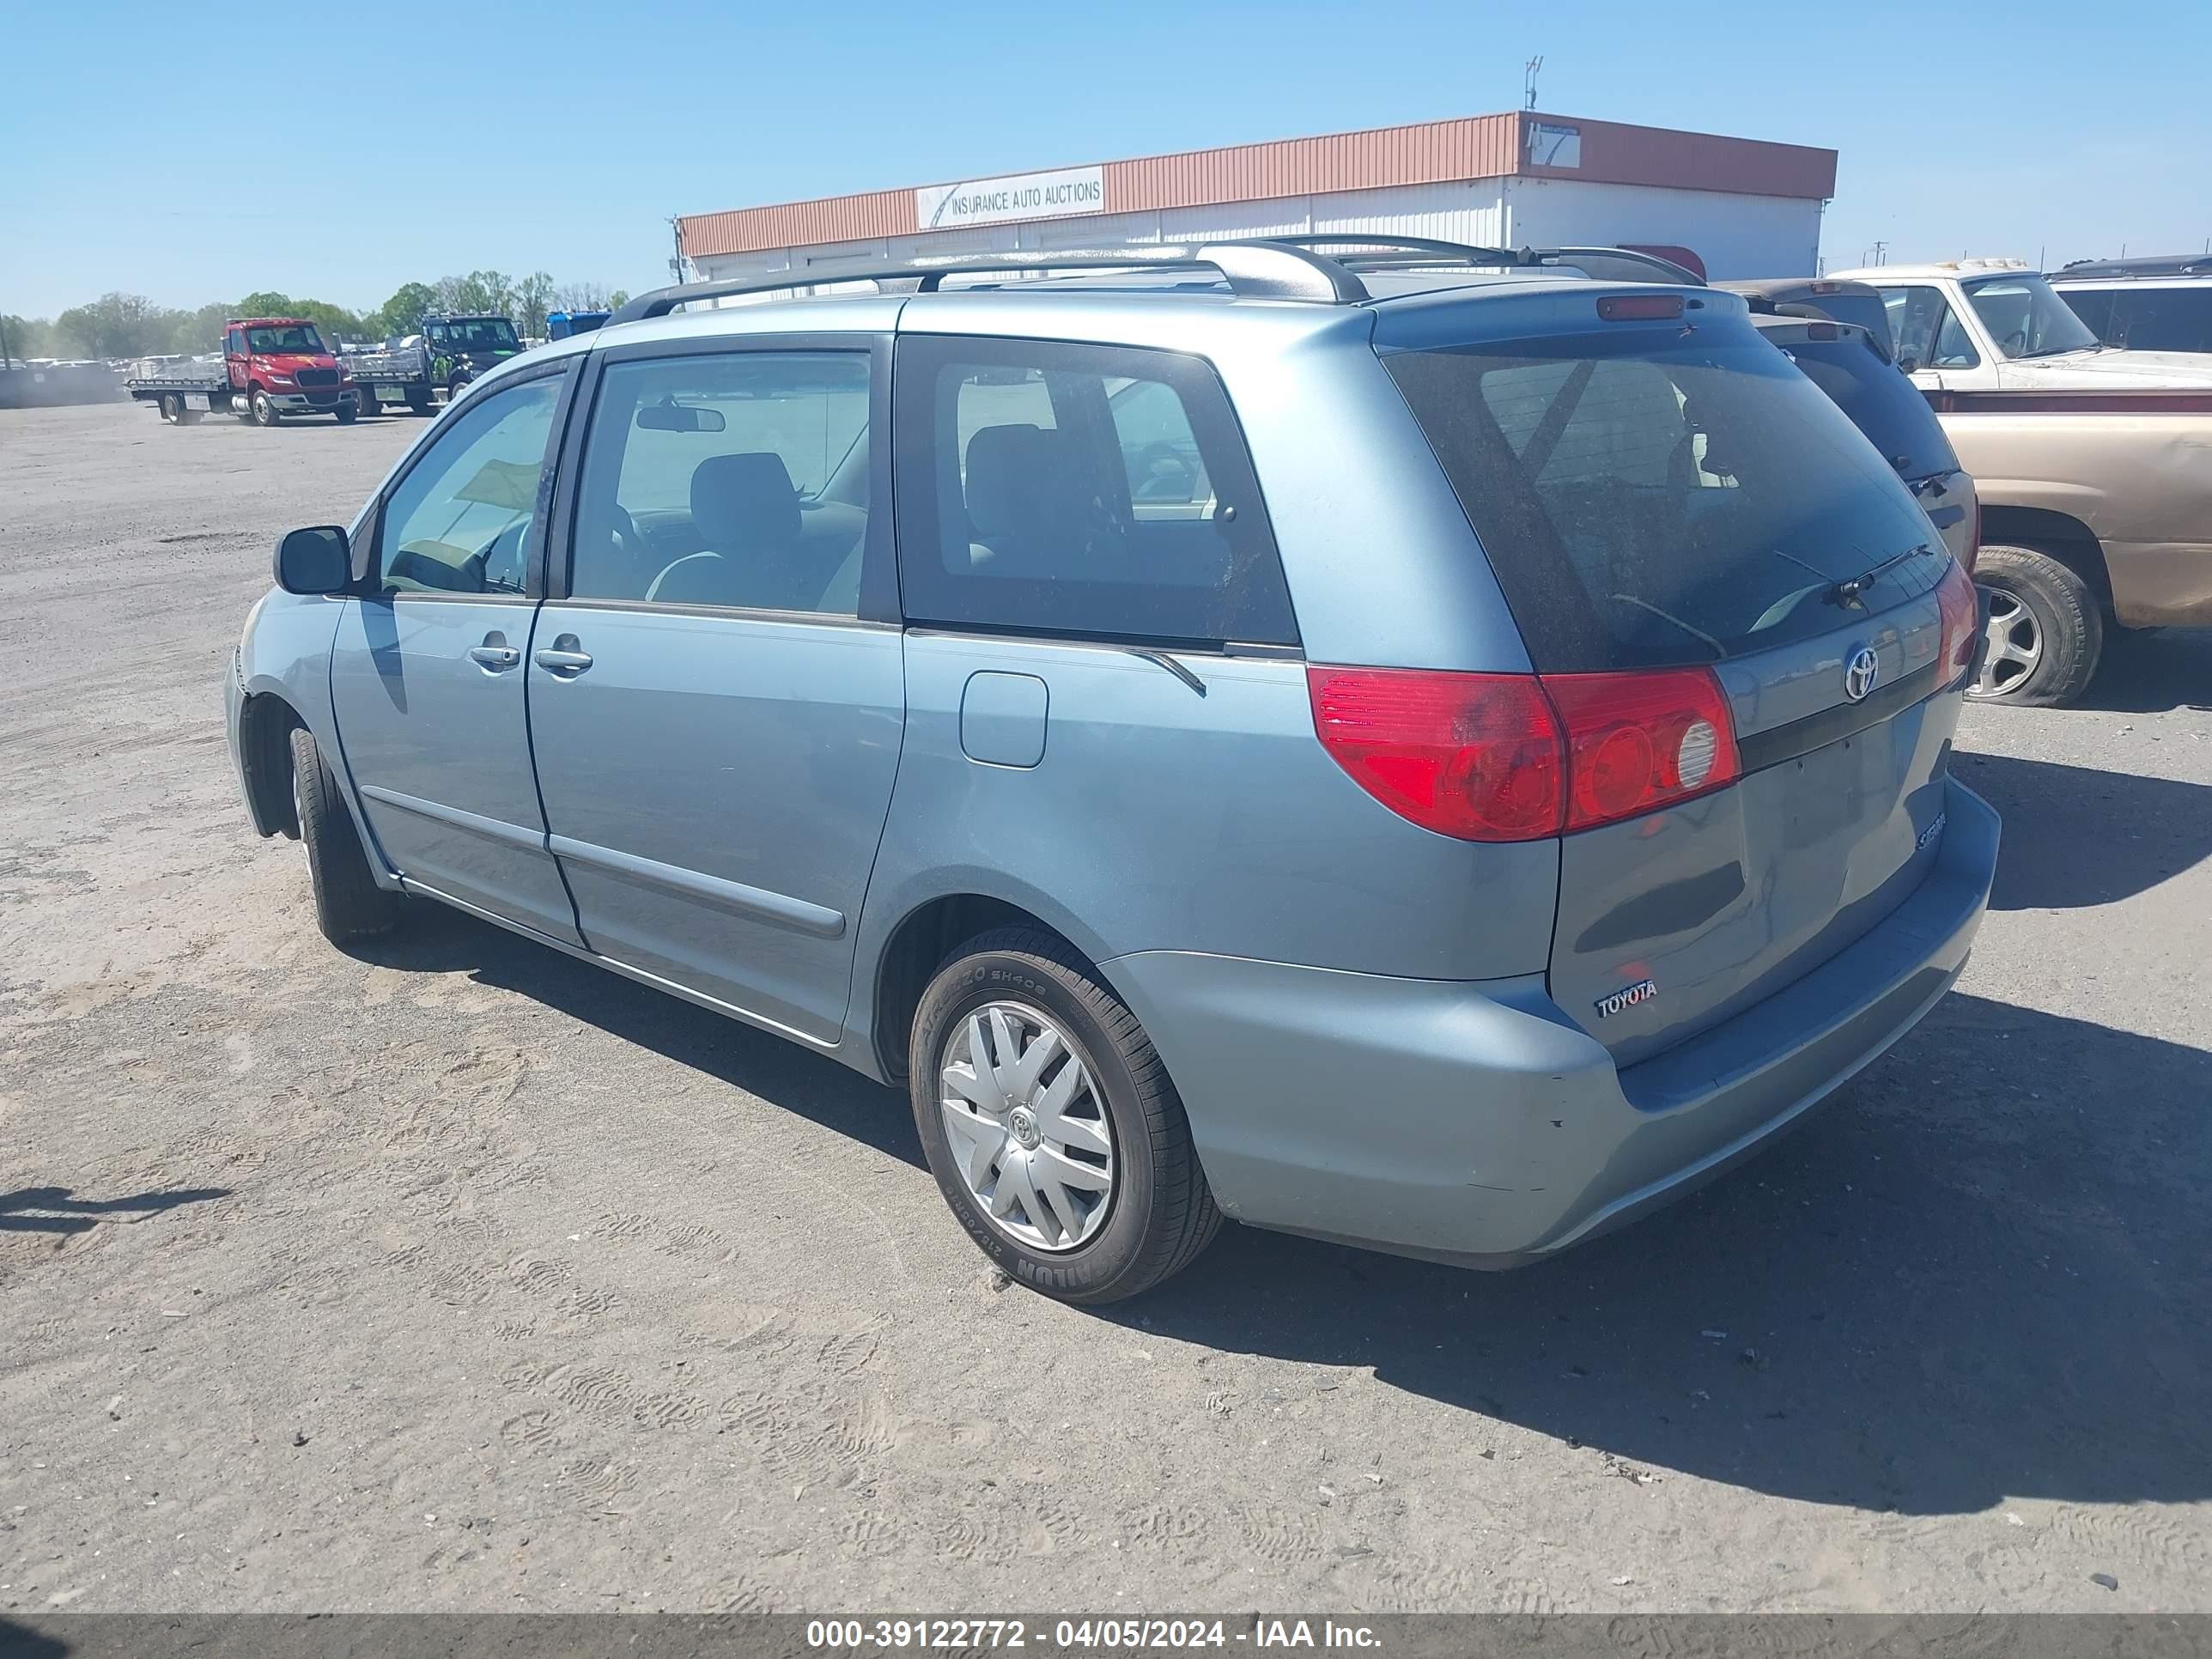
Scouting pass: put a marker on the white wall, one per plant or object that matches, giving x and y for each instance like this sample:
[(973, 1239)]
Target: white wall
[(1735, 236)]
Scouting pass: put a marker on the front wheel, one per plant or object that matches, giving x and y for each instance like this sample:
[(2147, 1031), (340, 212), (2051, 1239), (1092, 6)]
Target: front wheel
[(347, 411), (1051, 1125), (2044, 628), (454, 392), (349, 904), (264, 412)]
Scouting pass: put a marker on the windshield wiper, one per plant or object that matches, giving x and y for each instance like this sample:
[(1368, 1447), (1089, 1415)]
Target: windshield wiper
[(1719, 651), (1848, 592)]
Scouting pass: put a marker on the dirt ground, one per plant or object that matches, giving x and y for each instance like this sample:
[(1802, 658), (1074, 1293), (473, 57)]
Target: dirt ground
[(458, 1274)]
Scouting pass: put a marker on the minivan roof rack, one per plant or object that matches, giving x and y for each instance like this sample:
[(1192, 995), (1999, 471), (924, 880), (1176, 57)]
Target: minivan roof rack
[(1428, 251), (1260, 269)]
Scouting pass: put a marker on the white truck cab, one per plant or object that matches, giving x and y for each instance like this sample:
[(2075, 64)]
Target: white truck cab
[(1995, 325)]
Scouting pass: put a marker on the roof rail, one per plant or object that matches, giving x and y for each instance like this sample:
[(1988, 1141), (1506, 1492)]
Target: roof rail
[(1259, 270), (1427, 250), (1414, 245)]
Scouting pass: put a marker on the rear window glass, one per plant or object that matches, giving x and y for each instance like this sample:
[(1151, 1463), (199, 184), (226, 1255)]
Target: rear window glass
[(1079, 489), (1880, 401), (1653, 497)]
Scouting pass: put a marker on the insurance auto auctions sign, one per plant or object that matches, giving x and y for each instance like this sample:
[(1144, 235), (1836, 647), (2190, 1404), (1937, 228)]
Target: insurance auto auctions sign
[(1000, 201)]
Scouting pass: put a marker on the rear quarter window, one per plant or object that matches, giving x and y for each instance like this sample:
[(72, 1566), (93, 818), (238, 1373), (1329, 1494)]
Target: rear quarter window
[(1098, 491)]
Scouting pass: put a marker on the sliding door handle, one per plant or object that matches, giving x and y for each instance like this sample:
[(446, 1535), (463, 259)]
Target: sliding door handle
[(565, 658)]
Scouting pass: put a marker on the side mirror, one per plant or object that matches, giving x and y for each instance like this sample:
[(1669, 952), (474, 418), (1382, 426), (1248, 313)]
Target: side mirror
[(315, 561)]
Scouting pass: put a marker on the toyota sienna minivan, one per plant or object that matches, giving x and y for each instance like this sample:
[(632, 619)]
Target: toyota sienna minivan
[(1427, 751)]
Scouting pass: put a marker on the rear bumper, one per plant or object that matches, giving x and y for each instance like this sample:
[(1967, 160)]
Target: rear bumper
[(1473, 1123)]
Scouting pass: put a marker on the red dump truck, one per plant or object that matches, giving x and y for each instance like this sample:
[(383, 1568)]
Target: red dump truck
[(269, 368)]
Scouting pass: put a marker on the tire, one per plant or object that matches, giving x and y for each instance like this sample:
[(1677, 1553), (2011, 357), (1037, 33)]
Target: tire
[(349, 904), (454, 392), (418, 402), (2045, 627), (173, 408), (347, 413), (264, 412), (1155, 1213)]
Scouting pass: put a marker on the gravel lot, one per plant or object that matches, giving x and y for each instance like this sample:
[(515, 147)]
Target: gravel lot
[(461, 1275)]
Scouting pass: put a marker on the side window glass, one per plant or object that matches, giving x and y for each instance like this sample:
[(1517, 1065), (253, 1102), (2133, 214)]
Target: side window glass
[(460, 521), (734, 480), (1954, 347), (235, 342), (1925, 333), (1159, 451), (1080, 489), (2095, 307)]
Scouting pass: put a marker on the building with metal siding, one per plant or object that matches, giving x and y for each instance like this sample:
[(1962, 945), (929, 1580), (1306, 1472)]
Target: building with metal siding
[(1744, 207)]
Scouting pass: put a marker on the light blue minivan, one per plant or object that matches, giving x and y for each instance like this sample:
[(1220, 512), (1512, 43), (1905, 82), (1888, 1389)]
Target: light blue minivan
[(1420, 747)]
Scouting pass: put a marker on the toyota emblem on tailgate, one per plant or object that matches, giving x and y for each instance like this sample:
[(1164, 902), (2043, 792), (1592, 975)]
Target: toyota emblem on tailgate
[(1861, 673)]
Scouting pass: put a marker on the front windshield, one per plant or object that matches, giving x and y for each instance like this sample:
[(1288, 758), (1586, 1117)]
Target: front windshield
[(478, 334), (295, 338), (2026, 319)]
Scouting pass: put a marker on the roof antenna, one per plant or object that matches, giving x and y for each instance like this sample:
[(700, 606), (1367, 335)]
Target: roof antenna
[(1529, 81)]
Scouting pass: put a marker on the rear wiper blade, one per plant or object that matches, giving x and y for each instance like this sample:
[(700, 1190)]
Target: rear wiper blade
[(1848, 592)]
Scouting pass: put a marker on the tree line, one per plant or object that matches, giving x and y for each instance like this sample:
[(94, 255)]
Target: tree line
[(120, 324)]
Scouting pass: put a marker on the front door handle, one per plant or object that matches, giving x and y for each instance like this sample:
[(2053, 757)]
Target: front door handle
[(495, 655), (565, 657)]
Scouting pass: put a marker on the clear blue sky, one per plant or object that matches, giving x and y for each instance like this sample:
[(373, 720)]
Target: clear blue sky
[(490, 133)]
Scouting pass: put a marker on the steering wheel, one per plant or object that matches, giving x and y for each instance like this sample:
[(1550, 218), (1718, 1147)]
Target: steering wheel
[(1164, 473)]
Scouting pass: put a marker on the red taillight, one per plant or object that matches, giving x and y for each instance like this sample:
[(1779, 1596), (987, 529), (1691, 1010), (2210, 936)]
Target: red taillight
[(1632, 307), (1962, 619), (1472, 755), (1513, 757), (1638, 742)]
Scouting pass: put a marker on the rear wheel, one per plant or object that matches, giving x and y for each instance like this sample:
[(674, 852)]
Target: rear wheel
[(418, 402), (2044, 628), (173, 408), (1050, 1124), (349, 904)]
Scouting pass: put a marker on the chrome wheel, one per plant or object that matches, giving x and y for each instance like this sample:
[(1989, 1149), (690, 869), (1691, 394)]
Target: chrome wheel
[(1027, 1125), (2014, 644)]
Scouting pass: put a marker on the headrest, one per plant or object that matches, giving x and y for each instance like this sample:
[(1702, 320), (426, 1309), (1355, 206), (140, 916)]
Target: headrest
[(743, 501), (1014, 480)]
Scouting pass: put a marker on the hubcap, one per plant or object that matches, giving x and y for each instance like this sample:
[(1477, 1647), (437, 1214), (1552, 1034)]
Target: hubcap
[(1027, 1126), (2014, 644)]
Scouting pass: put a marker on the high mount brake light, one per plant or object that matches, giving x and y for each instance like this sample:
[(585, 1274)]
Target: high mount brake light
[(1632, 307), (1520, 757)]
